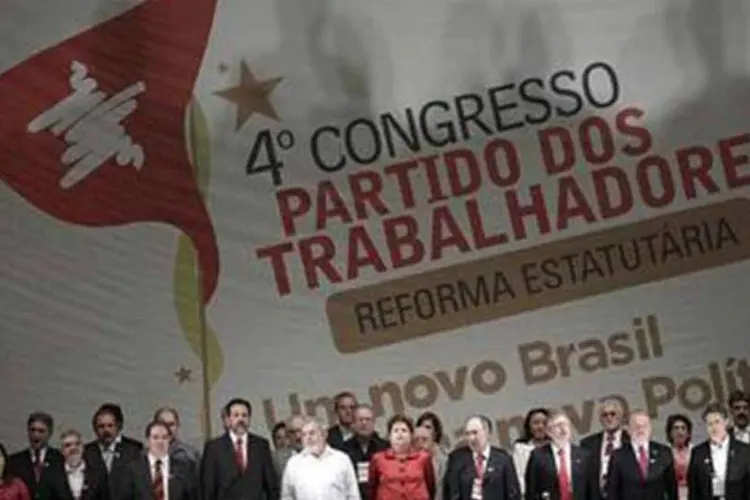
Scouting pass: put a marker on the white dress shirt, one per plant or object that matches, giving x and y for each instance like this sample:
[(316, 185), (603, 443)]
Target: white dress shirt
[(485, 454), (568, 463), (109, 452), (329, 476), (76, 478), (164, 471), (521, 455), (637, 450), (742, 435), (720, 458), (616, 443), (234, 437)]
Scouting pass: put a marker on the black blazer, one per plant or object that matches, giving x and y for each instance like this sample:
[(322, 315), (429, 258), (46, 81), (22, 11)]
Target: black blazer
[(335, 437), (500, 480), (55, 484), (357, 455), (625, 482), (700, 472), (138, 481), (593, 444), (221, 479), (21, 465), (126, 451), (542, 477)]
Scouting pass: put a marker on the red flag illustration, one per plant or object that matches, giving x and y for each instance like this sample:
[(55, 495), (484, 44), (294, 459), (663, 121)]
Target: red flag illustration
[(92, 129)]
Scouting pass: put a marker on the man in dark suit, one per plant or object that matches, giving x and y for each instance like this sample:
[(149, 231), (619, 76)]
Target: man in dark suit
[(72, 479), (560, 470), (479, 470), (344, 404), (644, 469), (238, 465), (363, 445), (29, 465), (156, 475), (603, 444), (111, 451), (739, 405), (720, 466)]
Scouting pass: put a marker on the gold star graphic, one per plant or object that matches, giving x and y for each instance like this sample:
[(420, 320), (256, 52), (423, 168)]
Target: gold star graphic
[(251, 96), (184, 375)]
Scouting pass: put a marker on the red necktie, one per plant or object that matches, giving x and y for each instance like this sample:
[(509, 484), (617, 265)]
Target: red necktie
[(643, 461), (563, 479), (157, 485), (479, 463), (239, 455)]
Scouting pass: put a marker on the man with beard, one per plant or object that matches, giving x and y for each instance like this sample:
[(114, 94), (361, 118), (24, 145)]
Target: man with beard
[(72, 479), (28, 465), (111, 451), (739, 405), (238, 465), (560, 470), (318, 471)]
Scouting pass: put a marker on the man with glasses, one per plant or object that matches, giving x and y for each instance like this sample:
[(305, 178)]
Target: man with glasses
[(603, 444), (71, 478), (29, 464), (344, 404)]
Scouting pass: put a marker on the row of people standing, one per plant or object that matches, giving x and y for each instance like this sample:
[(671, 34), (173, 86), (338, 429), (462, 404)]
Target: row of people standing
[(240, 465)]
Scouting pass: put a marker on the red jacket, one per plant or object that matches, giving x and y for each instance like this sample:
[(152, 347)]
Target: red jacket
[(401, 478)]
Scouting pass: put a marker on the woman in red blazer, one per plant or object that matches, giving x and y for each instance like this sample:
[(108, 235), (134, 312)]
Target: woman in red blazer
[(401, 471)]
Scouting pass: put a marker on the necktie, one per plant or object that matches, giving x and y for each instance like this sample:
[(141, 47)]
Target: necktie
[(239, 455), (37, 464), (643, 461), (609, 447), (563, 478), (157, 485), (479, 463)]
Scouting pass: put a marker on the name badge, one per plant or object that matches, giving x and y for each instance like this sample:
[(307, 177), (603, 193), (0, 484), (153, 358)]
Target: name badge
[(476, 490), (363, 471), (717, 487)]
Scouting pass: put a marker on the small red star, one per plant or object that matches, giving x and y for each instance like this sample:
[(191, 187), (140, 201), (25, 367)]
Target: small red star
[(184, 375)]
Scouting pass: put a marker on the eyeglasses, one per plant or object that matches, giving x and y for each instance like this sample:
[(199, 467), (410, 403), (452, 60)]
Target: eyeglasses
[(71, 444), (609, 414)]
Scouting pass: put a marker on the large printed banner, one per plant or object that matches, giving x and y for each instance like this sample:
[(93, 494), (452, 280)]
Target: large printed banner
[(450, 205)]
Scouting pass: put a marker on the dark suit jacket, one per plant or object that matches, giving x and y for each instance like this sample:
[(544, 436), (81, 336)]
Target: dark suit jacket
[(221, 479), (625, 481), (542, 475), (353, 448), (500, 480), (55, 484), (21, 465), (593, 444), (126, 451), (335, 437), (138, 480), (700, 472)]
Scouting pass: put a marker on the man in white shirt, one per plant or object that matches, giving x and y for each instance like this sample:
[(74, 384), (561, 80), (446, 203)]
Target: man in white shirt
[(720, 466), (72, 479), (318, 472)]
